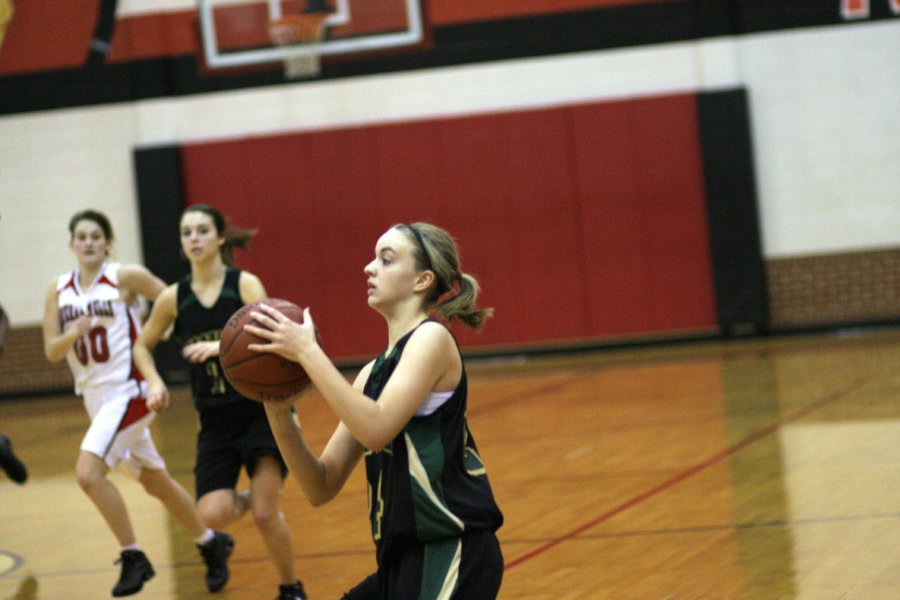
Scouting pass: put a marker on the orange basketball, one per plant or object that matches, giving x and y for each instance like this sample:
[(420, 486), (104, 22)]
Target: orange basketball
[(260, 376)]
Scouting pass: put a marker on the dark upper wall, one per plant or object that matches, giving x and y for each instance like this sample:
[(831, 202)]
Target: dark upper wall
[(43, 59)]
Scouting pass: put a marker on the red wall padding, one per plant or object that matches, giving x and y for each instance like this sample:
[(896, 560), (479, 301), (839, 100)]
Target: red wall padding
[(47, 34), (580, 222), (643, 216), (445, 12)]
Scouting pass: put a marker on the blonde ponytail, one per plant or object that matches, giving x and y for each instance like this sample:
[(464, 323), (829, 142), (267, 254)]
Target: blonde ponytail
[(454, 294)]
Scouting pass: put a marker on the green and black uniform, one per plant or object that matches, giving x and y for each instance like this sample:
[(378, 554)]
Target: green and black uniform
[(432, 511), (234, 431)]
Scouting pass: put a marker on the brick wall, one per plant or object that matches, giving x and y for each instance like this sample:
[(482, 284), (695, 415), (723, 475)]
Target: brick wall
[(23, 368), (834, 289)]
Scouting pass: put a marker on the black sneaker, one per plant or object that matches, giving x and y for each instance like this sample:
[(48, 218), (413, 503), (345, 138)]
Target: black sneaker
[(10, 463), (215, 554), (291, 592), (136, 569)]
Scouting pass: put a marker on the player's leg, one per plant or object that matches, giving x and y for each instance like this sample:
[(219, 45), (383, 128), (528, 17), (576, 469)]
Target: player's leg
[(216, 510), (222, 507), (90, 473), (481, 565), (216, 474), (219, 464), (215, 546), (145, 463), (105, 446), (459, 568), (265, 486), (160, 484), (267, 472)]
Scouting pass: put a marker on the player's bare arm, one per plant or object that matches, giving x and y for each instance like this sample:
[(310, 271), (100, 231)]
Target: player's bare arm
[(137, 280), (165, 310), (251, 288), (56, 341), (320, 478)]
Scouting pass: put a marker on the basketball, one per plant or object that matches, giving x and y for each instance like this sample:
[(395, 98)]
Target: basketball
[(260, 376)]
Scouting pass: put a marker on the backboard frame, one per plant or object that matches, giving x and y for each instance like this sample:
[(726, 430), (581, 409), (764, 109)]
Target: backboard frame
[(217, 58)]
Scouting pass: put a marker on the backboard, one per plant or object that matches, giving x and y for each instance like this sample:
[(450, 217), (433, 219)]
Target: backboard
[(235, 32)]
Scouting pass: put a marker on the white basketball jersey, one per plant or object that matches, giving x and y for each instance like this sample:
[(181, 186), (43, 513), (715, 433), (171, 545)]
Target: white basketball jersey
[(102, 356)]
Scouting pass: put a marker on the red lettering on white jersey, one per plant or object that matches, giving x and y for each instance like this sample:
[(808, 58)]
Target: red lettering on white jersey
[(102, 355)]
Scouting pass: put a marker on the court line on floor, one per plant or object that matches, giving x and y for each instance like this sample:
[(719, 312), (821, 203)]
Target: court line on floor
[(699, 467), (632, 533)]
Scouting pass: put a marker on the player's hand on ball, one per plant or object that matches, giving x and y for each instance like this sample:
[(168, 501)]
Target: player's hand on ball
[(286, 337), (258, 354)]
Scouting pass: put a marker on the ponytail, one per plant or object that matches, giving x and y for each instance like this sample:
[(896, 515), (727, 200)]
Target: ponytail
[(454, 294), (461, 305)]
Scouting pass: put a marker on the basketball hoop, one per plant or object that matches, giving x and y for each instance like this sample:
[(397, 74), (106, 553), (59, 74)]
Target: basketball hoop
[(299, 35)]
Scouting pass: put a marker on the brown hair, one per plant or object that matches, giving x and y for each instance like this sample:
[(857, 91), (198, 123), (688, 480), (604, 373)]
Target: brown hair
[(235, 237), (92, 215), (97, 217), (454, 293)]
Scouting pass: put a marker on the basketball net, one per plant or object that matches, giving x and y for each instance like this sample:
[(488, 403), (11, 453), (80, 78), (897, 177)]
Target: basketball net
[(304, 31)]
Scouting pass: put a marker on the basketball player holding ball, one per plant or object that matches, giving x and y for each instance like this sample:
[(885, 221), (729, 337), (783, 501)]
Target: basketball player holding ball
[(90, 319), (432, 511), (234, 431)]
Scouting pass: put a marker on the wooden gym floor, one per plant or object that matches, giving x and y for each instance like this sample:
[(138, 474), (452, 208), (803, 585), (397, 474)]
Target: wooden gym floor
[(744, 469)]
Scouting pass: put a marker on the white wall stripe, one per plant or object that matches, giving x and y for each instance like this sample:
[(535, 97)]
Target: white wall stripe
[(448, 92)]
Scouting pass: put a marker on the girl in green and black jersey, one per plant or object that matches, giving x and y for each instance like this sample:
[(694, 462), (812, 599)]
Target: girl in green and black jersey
[(432, 511), (234, 432)]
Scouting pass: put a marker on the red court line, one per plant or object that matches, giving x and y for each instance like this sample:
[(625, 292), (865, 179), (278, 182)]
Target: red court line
[(712, 460)]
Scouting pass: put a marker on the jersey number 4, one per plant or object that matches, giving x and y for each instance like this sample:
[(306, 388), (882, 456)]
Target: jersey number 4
[(93, 346)]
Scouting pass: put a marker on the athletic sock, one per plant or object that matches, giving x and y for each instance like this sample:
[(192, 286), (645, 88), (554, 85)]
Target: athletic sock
[(205, 537)]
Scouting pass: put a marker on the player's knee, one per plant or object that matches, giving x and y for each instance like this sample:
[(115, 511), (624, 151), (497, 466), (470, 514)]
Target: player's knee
[(87, 478), (215, 515), (266, 519), (157, 486), (212, 518)]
